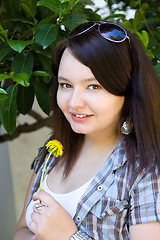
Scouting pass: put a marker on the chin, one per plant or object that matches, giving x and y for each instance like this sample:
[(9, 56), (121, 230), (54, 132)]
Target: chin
[(80, 131)]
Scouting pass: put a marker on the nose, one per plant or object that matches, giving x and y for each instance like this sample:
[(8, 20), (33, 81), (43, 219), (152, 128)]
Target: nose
[(76, 99)]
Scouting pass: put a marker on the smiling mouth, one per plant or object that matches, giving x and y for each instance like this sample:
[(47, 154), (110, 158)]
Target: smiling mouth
[(81, 115)]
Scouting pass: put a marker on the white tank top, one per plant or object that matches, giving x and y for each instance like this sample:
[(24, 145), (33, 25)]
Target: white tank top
[(68, 201)]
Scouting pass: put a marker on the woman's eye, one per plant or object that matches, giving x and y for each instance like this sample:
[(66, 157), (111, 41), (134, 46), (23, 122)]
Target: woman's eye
[(94, 87), (65, 85)]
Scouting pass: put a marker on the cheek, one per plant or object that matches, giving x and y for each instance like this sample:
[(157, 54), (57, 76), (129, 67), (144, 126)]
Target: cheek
[(61, 101)]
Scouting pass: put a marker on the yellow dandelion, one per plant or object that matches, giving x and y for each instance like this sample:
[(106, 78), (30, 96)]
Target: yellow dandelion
[(55, 148)]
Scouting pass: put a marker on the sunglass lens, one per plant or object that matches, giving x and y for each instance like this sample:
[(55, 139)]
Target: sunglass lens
[(112, 32)]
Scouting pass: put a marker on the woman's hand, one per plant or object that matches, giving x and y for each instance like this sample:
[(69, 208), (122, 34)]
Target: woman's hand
[(50, 221)]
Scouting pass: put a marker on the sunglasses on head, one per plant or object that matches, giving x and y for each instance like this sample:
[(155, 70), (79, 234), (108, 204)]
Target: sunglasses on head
[(110, 31)]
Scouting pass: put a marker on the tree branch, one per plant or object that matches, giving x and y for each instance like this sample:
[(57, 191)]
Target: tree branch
[(26, 128), (35, 115)]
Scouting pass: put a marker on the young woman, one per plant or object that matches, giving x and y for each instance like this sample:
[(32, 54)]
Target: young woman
[(106, 113)]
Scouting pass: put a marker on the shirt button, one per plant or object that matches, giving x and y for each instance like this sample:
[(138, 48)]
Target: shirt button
[(100, 188), (78, 219)]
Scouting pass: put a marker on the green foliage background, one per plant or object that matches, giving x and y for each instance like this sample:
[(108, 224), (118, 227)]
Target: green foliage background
[(29, 32)]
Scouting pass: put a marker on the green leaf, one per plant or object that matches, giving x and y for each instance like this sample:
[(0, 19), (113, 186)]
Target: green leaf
[(73, 20), (63, 1), (46, 34), (40, 73), (3, 76), (153, 41), (157, 53), (138, 20), (115, 15), (23, 63), (25, 99), (39, 49), (22, 79), (134, 3), (29, 7), (53, 5), (143, 37), (157, 69), (44, 21), (42, 96), (3, 94), (4, 50), (9, 110), (3, 32), (11, 6), (127, 24), (149, 53), (46, 63), (20, 19), (19, 45)]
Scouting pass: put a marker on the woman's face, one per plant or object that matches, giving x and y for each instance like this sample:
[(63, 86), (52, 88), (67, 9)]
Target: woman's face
[(87, 106)]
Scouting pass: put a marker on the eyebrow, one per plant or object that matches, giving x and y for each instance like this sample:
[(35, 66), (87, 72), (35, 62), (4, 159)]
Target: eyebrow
[(87, 79)]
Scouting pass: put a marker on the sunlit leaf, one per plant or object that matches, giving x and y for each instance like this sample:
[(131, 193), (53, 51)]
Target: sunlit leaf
[(53, 5), (22, 79), (40, 73), (19, 45), (3, 32), (3, 94), (3, 76)]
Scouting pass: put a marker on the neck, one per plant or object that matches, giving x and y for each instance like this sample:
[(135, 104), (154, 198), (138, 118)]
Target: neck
[(105, 142)]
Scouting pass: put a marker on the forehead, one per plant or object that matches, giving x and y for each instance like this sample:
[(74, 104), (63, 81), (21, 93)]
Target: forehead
[(71, 67)]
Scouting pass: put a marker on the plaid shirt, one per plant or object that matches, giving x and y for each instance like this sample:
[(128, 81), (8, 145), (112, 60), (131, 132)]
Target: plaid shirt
[(115, 199)]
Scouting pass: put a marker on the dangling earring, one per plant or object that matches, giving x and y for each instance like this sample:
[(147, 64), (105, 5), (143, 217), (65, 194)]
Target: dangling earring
[(127, 127)]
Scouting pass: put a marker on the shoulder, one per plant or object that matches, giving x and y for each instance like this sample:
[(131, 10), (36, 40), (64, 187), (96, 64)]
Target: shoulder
[(39, 159)]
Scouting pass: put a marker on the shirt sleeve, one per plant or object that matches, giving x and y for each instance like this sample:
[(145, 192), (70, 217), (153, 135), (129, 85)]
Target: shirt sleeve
[(145, 199)]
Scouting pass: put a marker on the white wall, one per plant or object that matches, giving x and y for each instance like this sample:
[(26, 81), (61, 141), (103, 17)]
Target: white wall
[(15, 159), (22, 152), (7, 210)]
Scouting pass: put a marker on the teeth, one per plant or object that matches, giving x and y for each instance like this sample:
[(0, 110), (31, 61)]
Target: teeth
[(80, 116)]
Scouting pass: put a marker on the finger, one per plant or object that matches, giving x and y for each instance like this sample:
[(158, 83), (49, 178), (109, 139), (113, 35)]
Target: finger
[(33, 226), (35, 217), (44, 197)]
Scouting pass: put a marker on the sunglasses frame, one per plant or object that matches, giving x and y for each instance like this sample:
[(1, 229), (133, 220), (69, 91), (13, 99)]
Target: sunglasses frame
[(109, 39)]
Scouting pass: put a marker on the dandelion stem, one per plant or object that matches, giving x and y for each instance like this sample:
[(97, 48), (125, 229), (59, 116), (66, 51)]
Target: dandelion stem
[(40, 187)]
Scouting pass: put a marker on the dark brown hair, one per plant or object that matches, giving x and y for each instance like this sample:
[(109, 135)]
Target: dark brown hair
[(123, 69)]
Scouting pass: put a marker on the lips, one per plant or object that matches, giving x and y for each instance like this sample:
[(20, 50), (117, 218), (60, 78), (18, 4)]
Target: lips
[(80, 117)]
